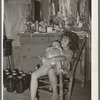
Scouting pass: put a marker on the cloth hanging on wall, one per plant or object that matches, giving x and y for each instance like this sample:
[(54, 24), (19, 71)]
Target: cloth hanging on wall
[(82, 6), (52, 9), (45, 10), (56, 2), (84, 9), (73, 7), (14, 18)]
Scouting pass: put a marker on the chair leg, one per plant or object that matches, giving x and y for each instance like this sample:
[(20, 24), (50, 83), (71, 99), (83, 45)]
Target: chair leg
[(70, 88), (61, 86), (83, 68)]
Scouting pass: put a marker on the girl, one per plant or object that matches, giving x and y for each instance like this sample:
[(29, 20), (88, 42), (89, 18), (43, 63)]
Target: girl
[(69, 43)]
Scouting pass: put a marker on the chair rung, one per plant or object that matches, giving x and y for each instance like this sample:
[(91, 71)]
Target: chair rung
[(64, 92), (44, 77), (50, 92), (47, 82), (42, 86), (45, 91), (44, 81), (66, 80)]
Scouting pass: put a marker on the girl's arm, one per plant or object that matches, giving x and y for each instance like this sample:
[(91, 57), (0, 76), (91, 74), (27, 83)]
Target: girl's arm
[(59, 58), (67, 56)]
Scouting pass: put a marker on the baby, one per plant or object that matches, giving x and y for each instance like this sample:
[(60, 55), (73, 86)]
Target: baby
[(53, 51)]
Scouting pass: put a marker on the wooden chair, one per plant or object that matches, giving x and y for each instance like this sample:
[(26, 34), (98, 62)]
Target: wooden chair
[(65, 83)]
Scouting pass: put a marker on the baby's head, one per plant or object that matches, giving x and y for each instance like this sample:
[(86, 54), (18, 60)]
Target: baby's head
[(56, 44)]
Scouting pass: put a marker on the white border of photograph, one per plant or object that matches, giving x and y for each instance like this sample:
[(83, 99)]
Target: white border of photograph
[(94, 49), (94, 55)]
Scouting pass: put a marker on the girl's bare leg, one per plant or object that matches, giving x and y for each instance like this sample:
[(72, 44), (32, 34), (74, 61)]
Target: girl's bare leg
[(58, 65), (53, 80), (34, 83)]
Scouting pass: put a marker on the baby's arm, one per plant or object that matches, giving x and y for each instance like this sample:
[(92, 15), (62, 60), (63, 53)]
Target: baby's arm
[(42, 58)]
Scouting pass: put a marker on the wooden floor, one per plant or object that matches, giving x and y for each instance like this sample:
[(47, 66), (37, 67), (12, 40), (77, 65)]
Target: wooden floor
[(78, 93)]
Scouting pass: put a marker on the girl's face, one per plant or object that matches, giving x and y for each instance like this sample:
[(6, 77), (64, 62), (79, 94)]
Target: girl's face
[(65, 41)]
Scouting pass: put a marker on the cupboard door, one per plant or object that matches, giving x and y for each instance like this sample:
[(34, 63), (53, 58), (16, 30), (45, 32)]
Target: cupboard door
[(30, 53)]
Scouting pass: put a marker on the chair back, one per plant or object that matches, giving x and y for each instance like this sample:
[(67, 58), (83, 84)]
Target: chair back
[(77, 55)]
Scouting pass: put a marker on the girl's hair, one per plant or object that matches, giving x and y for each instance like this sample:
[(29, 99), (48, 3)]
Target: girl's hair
[(73, 39)]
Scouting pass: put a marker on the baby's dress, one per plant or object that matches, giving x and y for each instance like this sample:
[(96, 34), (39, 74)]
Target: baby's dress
[(53, 52)]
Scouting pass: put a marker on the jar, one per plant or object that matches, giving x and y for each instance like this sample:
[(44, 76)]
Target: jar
[(20, 85), (15, 76), (21, 72), (11, 86), (8, 70), (25, 80), (6, 74), (15, 71)]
